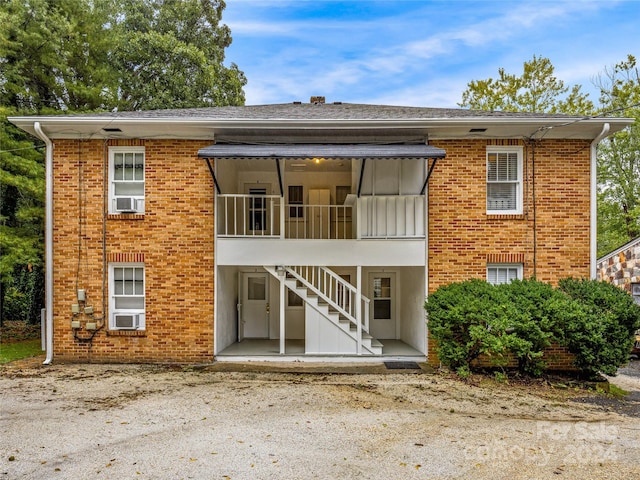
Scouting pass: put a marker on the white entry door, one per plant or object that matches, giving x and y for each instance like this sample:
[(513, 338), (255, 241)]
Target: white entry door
[(254, 322), (319, 200), (383, 305)]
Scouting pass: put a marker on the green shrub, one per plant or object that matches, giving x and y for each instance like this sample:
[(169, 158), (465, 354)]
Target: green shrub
[(16, 304), (24, 296), (469, 319), (539, 306), (594, 320), (601, 334)]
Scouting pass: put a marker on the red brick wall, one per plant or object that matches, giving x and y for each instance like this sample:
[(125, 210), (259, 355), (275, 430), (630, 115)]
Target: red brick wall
[(174, 238), (463, 238)]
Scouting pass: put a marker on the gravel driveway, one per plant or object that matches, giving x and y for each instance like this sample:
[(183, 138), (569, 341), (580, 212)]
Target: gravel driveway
[(131, 421)]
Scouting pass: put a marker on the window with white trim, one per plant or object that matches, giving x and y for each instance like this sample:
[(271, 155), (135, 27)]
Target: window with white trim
[(126, 179), (498, 273), (504, 180), (127, 297), (635, 292)]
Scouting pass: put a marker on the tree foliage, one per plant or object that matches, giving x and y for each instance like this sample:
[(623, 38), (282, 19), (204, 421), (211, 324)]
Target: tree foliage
[(170, 55), (90, 55), (81, 55), (21, 209), (537, 89), (54, 56), (619, 159)]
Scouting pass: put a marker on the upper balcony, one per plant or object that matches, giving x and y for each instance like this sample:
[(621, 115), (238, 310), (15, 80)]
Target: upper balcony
[(367, 217)]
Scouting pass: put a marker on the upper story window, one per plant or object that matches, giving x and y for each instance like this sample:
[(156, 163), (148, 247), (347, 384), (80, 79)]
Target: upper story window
[(126, 179), (504, 180), (498, 273), (127, 297)]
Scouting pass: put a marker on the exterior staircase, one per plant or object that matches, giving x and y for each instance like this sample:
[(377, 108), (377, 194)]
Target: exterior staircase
[(335, 299)]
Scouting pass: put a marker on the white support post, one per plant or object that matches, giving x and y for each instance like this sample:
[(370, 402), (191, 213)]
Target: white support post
[(359, 220), (282, 210), (282, 312), (359, 308)]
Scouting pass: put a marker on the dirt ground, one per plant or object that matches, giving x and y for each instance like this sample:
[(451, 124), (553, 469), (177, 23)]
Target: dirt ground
[(132, 421)]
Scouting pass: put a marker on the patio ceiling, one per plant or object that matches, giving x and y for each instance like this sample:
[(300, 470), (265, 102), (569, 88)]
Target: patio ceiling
[(362, 152)]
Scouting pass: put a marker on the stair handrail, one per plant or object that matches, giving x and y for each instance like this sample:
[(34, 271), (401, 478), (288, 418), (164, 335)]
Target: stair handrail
[(313, 283), (365, 309)]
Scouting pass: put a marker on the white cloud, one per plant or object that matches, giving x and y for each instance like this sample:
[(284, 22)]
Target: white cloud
[(417, 53)]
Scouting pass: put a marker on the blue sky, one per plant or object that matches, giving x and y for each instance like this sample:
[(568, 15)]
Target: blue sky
[(419, 53)]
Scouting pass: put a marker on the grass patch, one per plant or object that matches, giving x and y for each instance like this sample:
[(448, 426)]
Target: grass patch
[(617, 391), (17, 350)]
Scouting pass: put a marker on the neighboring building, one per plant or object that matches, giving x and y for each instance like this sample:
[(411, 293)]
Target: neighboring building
[(313, 231), (622, 268)]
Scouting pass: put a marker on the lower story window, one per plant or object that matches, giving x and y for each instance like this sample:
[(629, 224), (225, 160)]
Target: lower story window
[(127, 297), (498, 273), (635, 292)]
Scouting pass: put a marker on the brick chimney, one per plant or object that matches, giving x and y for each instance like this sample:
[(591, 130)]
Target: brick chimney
[(317, 100)]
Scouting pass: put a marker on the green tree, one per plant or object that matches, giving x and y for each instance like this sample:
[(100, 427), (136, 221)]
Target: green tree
[(619, 159), (537, 89), (170, 53), (68, 56), (53, 55), (21, 207)]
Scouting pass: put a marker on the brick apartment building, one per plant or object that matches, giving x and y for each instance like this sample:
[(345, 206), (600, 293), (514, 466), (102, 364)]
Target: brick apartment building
[(299, 231)]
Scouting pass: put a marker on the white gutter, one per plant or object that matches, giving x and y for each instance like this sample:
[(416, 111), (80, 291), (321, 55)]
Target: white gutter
[(48, 242), (593, 258)]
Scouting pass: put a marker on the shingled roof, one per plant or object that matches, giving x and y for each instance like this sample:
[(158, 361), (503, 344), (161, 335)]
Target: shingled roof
[(318, 111), (333, 120)]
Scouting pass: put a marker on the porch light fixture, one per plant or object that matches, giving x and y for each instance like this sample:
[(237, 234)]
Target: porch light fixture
[(280, 270)]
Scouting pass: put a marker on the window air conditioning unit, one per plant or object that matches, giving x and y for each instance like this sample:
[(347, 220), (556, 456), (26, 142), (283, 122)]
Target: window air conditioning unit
[(126, 205), (129, 321)]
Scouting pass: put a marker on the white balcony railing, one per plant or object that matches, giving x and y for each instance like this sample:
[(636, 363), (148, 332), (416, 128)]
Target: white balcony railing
[(241, 215), (319, 221), (390, 216)]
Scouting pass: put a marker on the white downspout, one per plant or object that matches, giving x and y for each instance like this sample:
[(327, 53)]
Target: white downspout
[(48, 242), (594, 201)]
